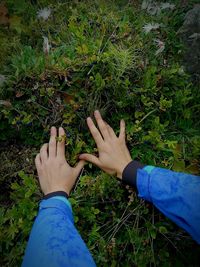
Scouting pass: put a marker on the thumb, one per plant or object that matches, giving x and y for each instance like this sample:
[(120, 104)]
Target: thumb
[(79, 166), (91, 158)]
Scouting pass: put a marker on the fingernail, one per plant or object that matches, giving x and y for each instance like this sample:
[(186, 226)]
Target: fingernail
[(53, 129), (123, 122)]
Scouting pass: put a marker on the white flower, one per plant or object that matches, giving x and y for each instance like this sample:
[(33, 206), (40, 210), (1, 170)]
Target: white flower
[(181, 70), (145, 4), (151, 7), (46, 45), (150, 26), (167, 6), (161, 46), (195, 36), (2, 79), (154, 8), (44, 13)]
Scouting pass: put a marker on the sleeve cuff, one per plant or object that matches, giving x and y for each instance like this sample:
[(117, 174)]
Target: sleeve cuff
[(63, 199), (56, 193), (57, 203), (129, 174)]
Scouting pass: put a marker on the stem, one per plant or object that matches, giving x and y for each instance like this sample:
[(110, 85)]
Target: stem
[(148, 114)]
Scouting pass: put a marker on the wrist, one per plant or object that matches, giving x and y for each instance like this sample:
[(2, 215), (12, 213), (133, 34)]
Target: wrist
[(129, 174), (56, 189), (56, 193), (122, 167)]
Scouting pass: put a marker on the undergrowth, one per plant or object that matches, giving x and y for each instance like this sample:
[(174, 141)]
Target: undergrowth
[(99, 58)]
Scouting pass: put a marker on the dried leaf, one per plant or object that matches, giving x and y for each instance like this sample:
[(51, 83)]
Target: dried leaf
[(67, 97), (161, 46), (4, 18), (193, 168), (179, 165), (2, 79), (46, 45), (19, 94), (5, 103), (15, 24)]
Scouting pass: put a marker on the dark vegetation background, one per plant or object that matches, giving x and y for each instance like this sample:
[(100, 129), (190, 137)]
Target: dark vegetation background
[(99, 57)]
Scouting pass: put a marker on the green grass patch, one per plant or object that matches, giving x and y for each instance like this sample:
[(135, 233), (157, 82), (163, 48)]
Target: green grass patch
[(99, 57)]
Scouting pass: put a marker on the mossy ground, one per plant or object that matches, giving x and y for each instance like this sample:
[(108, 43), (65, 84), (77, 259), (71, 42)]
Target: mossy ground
[(99, 58)]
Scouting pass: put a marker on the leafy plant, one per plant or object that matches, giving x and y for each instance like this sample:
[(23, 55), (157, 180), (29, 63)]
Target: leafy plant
[(99, 58), (16, 221)]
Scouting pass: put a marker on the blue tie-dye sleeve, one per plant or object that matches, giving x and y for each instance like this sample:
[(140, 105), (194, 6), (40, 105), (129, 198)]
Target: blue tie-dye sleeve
[(175, 194), (54, 241)]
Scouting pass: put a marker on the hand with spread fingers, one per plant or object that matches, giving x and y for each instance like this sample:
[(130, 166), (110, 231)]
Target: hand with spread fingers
[(113, 152), (55, 174)]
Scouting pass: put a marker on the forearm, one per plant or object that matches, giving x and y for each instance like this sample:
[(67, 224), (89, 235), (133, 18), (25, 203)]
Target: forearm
[(54, 241), (177, 195)]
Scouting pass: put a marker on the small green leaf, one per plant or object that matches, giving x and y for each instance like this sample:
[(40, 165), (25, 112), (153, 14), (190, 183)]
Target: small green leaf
[(163, 230)]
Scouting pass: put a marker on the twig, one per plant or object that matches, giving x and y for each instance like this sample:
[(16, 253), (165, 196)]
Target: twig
[(148, 114)]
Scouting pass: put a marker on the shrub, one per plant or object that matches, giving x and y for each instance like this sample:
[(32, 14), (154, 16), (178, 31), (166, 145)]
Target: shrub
[(99, 58)]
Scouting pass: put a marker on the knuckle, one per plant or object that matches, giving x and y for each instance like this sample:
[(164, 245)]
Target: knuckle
[(94, 131), (103, 126), (61, 142), (43, 146), (122, 143), (39, 168), (37, 156), (52, 141), (47, 163)]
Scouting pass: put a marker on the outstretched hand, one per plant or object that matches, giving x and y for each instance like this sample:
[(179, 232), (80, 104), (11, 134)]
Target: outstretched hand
[(113, 152), (55, 174)]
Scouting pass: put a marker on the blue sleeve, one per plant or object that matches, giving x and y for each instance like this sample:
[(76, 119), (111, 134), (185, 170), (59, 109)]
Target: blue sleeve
[(54, 241), (175, 194)]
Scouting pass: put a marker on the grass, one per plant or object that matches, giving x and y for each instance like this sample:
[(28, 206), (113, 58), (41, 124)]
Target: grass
[(99, 58)]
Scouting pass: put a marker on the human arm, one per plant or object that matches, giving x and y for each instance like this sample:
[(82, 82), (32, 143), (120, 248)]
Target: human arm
[(54, 240), (176, 195)]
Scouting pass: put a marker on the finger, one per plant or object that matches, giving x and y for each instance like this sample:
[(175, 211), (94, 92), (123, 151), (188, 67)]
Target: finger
[(110, 130), (38, 162), (90, 158), (101, 124), (95, 132), (44, 152), (52, 142), (122, 133), (79, 167), (61, 144)]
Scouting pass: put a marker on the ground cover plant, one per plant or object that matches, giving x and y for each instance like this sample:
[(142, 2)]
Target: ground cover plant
[(61, 60)]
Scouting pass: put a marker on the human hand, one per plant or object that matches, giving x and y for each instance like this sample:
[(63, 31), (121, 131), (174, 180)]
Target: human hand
[(113, 152), (55, 174)]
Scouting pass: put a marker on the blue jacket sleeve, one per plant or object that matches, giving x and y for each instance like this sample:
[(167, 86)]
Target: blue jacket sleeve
[(175, 194), (54, 241)]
